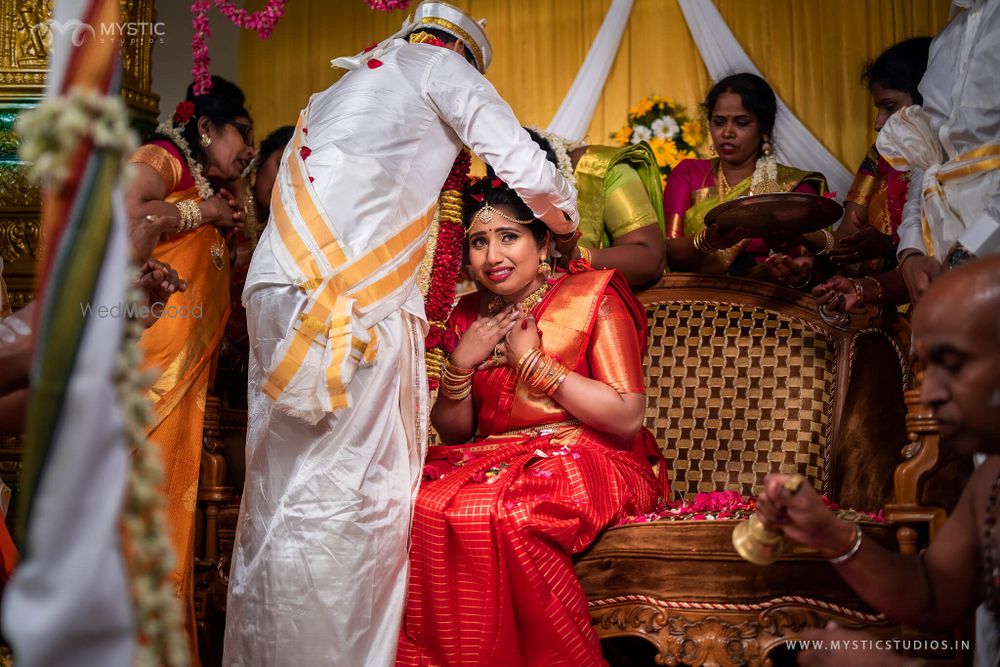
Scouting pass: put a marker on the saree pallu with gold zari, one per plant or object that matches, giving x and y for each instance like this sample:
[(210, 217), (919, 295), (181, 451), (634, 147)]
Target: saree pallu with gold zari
[(496, 522), (183, 345)]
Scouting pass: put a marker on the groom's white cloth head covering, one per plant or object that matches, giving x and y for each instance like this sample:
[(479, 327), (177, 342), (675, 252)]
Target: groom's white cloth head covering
[(458, 24)]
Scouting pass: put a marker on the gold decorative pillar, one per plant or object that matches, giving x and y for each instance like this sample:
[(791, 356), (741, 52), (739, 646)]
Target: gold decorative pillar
[(26, 33)]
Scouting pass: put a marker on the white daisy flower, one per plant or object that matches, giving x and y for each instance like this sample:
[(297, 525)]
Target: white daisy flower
[(665, 127), (641, 133)]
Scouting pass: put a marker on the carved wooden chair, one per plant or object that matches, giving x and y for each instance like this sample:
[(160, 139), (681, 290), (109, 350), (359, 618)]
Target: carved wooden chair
[(746, 378)]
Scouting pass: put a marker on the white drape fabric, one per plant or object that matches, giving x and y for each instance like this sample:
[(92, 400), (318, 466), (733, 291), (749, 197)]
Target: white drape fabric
[(68, 602), (573, 116), (794, 144)]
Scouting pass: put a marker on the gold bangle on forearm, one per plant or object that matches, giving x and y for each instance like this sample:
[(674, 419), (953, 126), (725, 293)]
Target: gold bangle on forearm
[(456, 382), (190, 215), (879, 291), (542, 373), (828, 246), (907, 254), (859, 290), (701, 243), (586, 255)]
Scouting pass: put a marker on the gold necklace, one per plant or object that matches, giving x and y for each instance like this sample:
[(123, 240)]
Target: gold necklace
[(720, 179), (527, 304)]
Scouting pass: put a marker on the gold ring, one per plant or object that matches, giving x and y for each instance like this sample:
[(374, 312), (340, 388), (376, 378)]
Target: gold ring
[(490, 323)]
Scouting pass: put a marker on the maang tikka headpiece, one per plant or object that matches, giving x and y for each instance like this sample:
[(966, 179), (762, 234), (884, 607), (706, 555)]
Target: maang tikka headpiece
[(486, 213)]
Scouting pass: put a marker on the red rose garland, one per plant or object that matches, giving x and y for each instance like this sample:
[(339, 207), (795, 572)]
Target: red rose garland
[(445, 268)]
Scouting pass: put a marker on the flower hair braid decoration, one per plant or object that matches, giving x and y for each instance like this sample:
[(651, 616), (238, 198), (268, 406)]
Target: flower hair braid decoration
[(444, 256)]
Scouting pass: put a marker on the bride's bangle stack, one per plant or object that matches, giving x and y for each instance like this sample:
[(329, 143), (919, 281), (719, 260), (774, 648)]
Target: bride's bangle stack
[(190, 215), (541, 372), (456, 383)]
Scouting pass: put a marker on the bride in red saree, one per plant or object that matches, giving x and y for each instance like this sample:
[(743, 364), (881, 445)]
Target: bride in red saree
[(547, 383)]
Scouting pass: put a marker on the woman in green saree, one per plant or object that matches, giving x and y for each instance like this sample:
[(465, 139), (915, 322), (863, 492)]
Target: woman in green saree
[(620, 202), (741, 109)]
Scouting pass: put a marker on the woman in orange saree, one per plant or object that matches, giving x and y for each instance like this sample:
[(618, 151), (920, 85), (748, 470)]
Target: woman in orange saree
[(209, 133), (547, 378)]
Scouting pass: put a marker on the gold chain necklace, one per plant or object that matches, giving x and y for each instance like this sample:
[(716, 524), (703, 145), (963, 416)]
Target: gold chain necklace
[(720, 179), (527, 304)]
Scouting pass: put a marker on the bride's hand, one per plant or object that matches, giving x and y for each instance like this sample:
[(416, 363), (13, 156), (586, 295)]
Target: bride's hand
[(481, 338), (521, 339)]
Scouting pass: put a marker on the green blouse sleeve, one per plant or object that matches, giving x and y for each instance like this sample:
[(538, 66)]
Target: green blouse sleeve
[(626, 206)]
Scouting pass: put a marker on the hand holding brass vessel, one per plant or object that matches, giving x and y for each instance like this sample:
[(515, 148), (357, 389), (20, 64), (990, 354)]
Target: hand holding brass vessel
[(757, 543)]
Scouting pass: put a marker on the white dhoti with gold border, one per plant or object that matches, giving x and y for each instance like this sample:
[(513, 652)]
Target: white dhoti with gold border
[(320, 565)]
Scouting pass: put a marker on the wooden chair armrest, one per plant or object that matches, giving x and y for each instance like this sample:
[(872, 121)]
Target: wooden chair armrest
[(921, 457)]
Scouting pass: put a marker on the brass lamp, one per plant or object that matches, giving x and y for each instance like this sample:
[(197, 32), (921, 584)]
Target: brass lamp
[(754, 541)]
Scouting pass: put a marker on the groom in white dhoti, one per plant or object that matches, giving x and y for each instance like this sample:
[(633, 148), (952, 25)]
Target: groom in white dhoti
[(337, 391)]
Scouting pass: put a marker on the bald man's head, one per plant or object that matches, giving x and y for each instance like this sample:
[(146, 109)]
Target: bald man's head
[(956, 334)]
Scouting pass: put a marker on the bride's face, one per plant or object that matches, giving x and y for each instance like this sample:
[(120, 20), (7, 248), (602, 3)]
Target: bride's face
[(503, 255)]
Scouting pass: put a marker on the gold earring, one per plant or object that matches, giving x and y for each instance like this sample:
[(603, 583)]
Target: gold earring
[(206, 140), (767, 148), (544, 268), (711, 149)]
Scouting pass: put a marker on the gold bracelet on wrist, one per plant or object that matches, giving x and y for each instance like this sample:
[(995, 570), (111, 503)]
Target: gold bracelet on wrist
[(907, 254), (859, 290), (190, 215), (586, 255), (879, 291), (541, 372), (830, 242), (701, 243), (456, 382)]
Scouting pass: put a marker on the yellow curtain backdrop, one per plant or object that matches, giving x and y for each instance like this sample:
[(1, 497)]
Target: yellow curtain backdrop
[(811, 52)]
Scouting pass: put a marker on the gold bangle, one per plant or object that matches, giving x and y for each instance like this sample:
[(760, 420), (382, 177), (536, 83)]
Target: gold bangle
[(526, 359), (190, 215), (879, 292), (586, 255), (830, 242), (456, 382), (859, 290), (701, 243), (907, 254)]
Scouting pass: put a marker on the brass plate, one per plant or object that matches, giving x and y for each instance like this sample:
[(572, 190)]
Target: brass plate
[(781, 215)]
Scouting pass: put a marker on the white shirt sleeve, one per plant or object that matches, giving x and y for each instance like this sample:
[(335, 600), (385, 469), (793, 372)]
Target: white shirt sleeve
[(983, 236), (911, 230), (486, 124)]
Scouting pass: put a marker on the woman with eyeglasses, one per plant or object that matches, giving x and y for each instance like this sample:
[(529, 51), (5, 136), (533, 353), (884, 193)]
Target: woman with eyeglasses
[(178, 202)]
